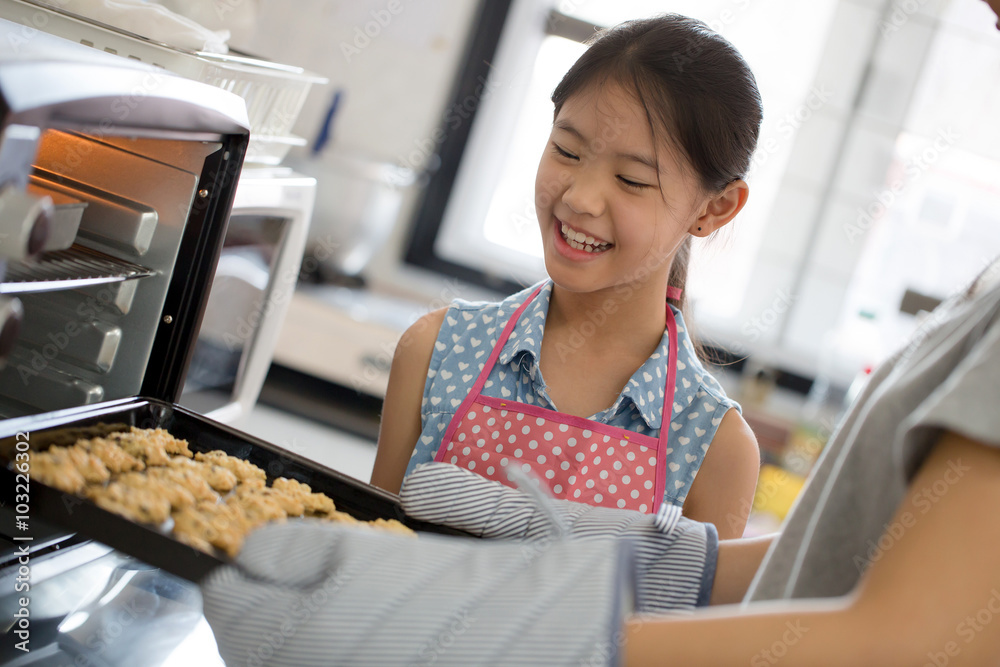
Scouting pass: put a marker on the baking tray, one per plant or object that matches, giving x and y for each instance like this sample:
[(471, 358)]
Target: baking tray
[(149, 543)]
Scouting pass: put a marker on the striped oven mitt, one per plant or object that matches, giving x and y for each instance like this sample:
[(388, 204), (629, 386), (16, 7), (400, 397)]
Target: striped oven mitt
[(675, 557), (311, 593)]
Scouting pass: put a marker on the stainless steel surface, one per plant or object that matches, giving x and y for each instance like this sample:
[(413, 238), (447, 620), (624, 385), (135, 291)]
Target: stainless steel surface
[(69, 269), (362, 325), (146, 164), (28, 382), (25, 219), (66, 215), (100, 352), (108, 217), (95, 344), (11, 315), (99, 607)]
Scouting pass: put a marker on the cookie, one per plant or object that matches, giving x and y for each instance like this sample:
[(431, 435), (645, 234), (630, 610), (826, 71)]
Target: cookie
[(151, 451), (314, 503), (218, 477), (291, 504), (91, 467), (392, 526), (114, 458), (216, 524), (138, 504), (187, 478), (56, 469), (258, 508), (339, 517), (176, 494), (170, 444), (244, 470)]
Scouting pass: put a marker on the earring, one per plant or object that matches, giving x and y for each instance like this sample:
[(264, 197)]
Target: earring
[(699, 229)]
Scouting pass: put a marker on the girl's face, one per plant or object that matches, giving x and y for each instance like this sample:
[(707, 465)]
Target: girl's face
[(606, 219)]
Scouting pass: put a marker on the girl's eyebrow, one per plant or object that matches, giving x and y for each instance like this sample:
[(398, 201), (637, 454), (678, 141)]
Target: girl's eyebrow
[(641, 159), (635, 157), (565, 126)]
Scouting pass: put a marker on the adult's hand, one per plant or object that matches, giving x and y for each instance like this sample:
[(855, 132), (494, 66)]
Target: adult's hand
[(674, 556), (311, 593)]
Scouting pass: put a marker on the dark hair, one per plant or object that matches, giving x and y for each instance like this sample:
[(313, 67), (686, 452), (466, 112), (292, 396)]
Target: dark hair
[(697, 90)]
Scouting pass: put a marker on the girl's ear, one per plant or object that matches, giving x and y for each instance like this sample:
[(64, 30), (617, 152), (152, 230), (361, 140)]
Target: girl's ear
[(721, 208)]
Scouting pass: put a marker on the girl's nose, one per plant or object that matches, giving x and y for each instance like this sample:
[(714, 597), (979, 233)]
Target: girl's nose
[(583, 196)]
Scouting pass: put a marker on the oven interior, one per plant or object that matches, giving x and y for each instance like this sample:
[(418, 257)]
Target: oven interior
[(95, 301)]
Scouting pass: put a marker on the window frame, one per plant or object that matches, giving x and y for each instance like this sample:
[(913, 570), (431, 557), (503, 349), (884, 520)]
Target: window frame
[(491, 21)]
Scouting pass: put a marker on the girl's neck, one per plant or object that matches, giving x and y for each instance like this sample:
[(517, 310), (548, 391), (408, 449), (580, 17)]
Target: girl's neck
[(628, 315)]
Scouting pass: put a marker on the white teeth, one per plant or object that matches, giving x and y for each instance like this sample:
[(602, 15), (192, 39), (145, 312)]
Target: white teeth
[(580, 241)]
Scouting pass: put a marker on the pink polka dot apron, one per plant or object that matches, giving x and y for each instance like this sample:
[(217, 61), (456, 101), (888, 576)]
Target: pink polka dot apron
[(578, 459)]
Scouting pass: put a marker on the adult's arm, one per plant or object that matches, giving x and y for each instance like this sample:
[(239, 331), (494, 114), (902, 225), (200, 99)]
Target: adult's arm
[(401, 424), (919, 602)]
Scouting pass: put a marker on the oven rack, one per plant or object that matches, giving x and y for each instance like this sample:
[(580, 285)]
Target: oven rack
[(73, 268)]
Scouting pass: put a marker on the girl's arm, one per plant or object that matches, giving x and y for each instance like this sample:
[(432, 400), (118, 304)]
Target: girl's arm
[(722, 492), (738, 562), (933, 598), (401, 424)]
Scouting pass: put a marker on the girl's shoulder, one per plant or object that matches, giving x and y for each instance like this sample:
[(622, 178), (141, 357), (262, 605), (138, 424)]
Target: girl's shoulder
[(470, 328), (694, 378), (507, 305), (489, 317)]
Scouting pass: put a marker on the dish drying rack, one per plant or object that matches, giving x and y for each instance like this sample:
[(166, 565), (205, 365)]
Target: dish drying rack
[(274, 93)]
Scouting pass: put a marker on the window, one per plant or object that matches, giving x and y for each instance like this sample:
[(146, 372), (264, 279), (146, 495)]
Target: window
[(838, 80), (934, 224)]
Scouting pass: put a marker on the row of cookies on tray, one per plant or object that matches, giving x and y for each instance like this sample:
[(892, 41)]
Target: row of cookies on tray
[(212, 499)]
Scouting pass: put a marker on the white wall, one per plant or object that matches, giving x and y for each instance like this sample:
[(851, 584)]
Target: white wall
[(408, 65), (395, 62)]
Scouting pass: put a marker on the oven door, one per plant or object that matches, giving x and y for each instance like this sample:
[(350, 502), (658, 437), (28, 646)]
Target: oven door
[(251, 291)]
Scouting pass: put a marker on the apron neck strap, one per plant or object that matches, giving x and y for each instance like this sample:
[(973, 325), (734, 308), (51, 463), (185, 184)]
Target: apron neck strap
[(674, 292), (668, 396), (504, 337)]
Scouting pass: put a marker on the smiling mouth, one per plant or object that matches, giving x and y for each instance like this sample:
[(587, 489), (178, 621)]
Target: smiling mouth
[(580, 241)]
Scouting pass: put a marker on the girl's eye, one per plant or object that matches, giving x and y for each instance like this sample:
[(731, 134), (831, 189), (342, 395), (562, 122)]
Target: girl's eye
[(563, 153), (632, 184)]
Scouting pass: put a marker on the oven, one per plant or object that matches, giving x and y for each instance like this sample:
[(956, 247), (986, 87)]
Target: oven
[(135, 181), (262, 249), (117, 184), (129, 242)]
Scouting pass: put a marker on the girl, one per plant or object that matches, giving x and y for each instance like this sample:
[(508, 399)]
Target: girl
[(653, 131)]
